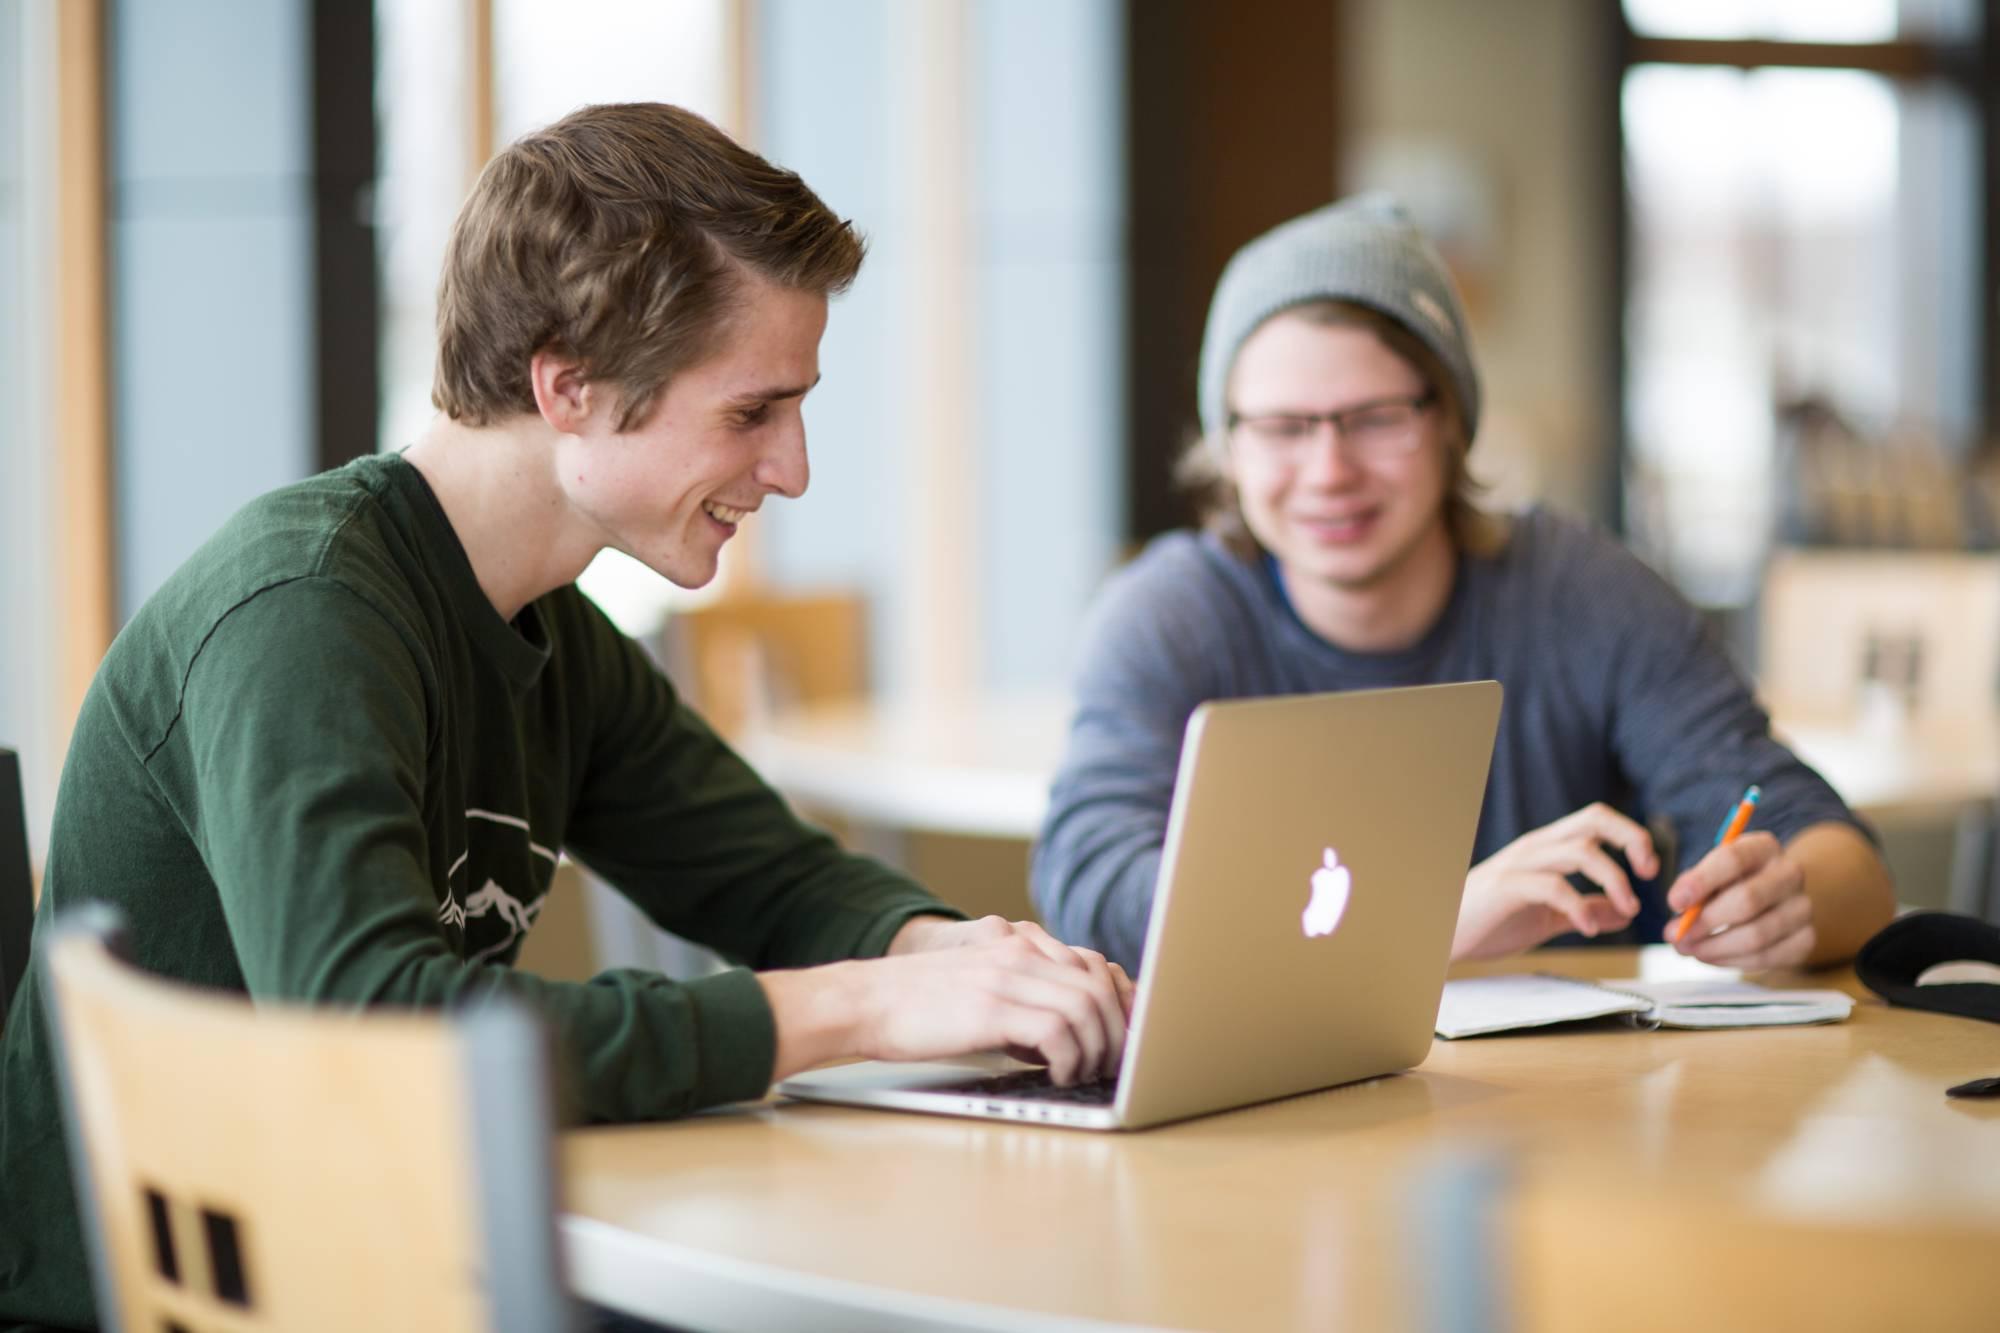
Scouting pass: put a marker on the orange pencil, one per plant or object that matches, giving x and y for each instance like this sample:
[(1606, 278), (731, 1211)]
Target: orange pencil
[(1731, 826)]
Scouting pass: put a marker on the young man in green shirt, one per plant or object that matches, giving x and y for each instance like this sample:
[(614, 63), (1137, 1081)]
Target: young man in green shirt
[(333, 759)]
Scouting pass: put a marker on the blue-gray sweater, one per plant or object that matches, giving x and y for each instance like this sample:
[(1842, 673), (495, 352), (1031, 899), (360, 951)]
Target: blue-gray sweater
[(1617, 691)]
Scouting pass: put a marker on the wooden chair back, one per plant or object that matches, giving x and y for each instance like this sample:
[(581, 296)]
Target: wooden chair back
[(1922, 628), (738, 658), (250, 1166)]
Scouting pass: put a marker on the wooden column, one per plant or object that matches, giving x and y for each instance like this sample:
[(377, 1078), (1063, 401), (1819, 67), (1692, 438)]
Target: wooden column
[(1231, 128), (82, 407)]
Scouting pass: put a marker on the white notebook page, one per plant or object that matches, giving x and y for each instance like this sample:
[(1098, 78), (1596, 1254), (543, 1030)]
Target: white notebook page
[(1496, 1004)]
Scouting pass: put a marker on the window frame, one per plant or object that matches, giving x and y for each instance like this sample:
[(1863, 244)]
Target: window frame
[(1971, 66)]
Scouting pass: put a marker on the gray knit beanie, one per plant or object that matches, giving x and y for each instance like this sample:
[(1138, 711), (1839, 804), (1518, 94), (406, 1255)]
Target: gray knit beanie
[(1363, 250)]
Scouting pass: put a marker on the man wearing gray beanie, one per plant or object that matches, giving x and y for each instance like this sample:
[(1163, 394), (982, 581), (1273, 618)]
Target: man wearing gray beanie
[(1343, 548)]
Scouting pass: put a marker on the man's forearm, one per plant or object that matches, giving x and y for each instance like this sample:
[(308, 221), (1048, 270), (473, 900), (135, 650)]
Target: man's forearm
[(1852, 894), (820, 1012), (817, 1013)]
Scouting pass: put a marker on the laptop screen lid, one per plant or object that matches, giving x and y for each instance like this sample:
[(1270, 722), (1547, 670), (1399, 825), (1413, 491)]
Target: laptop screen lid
[(1315, 857), (1315, 854)]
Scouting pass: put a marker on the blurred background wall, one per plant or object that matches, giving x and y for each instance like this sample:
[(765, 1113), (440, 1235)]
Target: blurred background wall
[(1730, 266), (1491, 121)]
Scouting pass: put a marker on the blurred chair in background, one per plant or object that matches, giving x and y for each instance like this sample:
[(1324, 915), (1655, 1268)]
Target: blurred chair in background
[(17, 882), (735, 661), (1844, 631), (1493, 1246), (563, 944), (757, 656), (255, 1166), (739, 659), (1888, 661)]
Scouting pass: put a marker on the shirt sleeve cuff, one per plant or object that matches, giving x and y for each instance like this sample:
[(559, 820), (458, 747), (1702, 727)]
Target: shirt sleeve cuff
[(875, 942), (736, 1038)]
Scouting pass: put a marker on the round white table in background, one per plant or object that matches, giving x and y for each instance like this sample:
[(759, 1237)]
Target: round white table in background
[(982, 765)]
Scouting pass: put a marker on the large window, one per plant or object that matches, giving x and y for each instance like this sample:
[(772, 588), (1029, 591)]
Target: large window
[(1805, 245), (965, 454)]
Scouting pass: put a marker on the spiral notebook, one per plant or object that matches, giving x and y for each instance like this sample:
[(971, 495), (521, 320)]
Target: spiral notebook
[(1476, 1006)]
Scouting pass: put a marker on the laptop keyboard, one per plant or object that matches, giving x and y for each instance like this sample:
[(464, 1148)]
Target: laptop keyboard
[(1034, 1085)]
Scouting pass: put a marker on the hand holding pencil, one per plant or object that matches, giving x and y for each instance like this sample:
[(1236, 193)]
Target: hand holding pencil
[(1733, 823), (1744, 904)]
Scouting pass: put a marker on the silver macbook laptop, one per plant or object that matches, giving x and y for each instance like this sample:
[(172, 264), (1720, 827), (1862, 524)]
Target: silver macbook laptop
[(1315, 856)]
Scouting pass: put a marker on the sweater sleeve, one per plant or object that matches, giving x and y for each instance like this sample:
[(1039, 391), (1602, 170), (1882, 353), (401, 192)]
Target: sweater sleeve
[(1142, 673), (1684, 724), (305, 735), (676, 820)]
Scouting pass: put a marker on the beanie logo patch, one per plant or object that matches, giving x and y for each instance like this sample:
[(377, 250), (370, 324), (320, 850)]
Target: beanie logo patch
[(1427, 306)]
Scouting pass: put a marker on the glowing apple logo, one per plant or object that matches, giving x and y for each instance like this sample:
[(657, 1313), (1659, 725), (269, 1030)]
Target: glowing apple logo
[(1331, 885)]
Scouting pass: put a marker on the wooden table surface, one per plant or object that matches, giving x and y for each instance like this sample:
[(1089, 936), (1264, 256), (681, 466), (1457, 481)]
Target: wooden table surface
[(1805, 1177)]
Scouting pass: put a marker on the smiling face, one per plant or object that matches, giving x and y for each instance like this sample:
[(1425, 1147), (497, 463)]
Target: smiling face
[(725, 435), (1339, 521)]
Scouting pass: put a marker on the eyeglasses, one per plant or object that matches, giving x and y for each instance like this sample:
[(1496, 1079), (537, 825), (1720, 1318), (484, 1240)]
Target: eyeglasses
[(1386, 428)]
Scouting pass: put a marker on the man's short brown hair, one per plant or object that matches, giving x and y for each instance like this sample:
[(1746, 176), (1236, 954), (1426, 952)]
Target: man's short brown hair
[(619, 236)]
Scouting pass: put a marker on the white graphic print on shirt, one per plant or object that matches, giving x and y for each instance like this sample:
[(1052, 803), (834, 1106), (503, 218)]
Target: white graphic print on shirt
[(492, 899)]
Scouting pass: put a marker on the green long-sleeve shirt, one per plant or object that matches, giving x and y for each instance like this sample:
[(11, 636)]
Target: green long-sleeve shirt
[(318, 765)]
